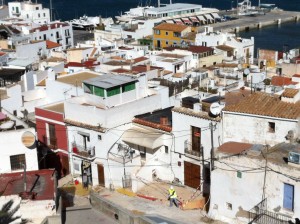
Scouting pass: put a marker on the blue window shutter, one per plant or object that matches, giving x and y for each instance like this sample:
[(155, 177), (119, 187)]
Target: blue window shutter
[(288, 197)]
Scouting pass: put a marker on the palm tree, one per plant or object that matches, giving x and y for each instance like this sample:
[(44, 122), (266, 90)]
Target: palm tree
[(7, 213)]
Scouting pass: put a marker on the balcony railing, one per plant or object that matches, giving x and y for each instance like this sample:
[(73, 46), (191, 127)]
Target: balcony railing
[(188, 149), (81, 150), (259, 215), (51, 142)]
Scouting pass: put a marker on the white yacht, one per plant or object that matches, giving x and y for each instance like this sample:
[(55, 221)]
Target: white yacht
[(89, 23)]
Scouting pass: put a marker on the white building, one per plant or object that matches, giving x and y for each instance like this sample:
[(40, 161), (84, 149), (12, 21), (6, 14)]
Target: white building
[(18, 149), (29, 11), (262, 118), (243, 48), (256, 182)]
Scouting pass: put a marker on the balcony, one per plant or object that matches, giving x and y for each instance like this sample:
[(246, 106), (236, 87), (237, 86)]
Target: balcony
[(259, 215), (83, 151), (188, 149), (51, 142)]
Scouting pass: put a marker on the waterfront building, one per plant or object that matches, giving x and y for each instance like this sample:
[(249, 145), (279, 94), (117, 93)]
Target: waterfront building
[(29, 11)]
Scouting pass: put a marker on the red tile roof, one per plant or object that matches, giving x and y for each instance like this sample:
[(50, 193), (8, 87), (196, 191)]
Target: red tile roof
[(51, 44), (167, 128), (136, 60), (290, 93), (296, 75), (2, 53), (194, 49), (234, 147), (281, 81), (170, 27), (86, 64), (265, 104), (49, 27), (40, 181)]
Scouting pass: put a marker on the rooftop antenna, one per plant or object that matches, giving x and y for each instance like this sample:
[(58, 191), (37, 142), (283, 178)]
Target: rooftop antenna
[(158, 3), (170, 2)]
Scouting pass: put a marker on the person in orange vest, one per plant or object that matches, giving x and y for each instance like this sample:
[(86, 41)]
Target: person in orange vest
[(172, 196)]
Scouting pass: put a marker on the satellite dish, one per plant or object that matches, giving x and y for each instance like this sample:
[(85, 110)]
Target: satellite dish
[(215, 108), (246, 71), (28, 138), (240, 66)]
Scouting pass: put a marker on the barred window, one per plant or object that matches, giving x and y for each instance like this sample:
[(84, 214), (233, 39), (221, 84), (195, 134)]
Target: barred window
[(17, 161)]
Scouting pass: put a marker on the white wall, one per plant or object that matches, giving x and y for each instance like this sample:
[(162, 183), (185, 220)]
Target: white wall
[(11, 144), (255, 129), (14, 100)]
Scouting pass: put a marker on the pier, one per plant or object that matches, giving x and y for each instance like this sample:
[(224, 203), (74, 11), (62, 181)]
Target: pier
[(245, 23)]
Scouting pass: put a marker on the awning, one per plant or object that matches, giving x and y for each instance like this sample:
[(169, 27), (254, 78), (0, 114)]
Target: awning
[(216, 15), (208, 16), (201, 18), (169, 21), (143, 137), (194, 19), (178, 21), (186, 20)]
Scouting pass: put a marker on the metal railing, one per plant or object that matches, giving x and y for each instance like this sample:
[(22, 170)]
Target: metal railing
[(260, 215), (81, 150)]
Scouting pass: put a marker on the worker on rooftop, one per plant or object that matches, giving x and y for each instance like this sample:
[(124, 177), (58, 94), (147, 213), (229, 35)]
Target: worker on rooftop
[(172, 196)]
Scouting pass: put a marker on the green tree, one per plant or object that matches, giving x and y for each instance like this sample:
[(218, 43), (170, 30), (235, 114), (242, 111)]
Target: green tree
[(7, 213)]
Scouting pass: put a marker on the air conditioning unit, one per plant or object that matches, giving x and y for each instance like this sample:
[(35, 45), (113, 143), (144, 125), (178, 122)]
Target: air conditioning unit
[(294, 157)]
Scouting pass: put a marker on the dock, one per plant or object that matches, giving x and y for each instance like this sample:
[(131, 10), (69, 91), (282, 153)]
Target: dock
[(246, 23)]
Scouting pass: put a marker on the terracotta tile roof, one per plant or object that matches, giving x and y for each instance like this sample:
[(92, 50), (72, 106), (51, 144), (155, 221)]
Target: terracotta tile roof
[(194, 49), (199, 49), (170, 27), (290, 93), (226, 65), (40, 181), (49, 27), (234, 147), (117, 63), (168, 55), (296, 75), (139, 59), (233, 97), (199, 114), (86, 126), (59, 108), (281, 81), (225, 48), (167, 128), (120, 70), (265, 104), (178, 75), (51, 44), (86, 64), (2, 53)]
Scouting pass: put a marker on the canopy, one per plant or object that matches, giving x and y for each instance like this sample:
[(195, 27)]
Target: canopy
[(178, 21), (208, 16), (215, 15), (194, 19), (186, 20), (143, 137)]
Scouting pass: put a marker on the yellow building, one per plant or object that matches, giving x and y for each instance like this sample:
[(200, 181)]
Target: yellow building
[(167, 34)]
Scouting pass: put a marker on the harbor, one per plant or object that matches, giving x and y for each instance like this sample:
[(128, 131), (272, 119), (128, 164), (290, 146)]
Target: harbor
[(258, 21)]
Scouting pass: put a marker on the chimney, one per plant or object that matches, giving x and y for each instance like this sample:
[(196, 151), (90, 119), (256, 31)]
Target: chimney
[(148, 67), (164, 120)]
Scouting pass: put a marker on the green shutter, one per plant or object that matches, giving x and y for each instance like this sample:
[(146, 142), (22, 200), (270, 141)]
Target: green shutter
[(128, 87), (98, 91), (88, 88), (239, 174), (113, 91)]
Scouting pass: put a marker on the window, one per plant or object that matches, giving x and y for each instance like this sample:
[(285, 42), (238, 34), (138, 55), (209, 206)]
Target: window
[(288, 196), (85, 139), (142, 150), (15, 113), (17, 162), (44, 14), (239, 174), (157, 32), (76, 166), (36, 8), (113, 91), (272, 127), (128, 87), (99, 137), (167, 33), (166, 149), (39, 15), (228, 206), (27, 16), (167, 42), (176, 34), (98, 91)]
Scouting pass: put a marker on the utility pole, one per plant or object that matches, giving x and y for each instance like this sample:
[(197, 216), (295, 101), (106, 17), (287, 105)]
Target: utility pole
[(212, 154)]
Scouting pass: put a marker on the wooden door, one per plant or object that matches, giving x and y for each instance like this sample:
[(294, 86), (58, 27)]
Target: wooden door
[(191, 174), (65, 165), (101, 178)]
